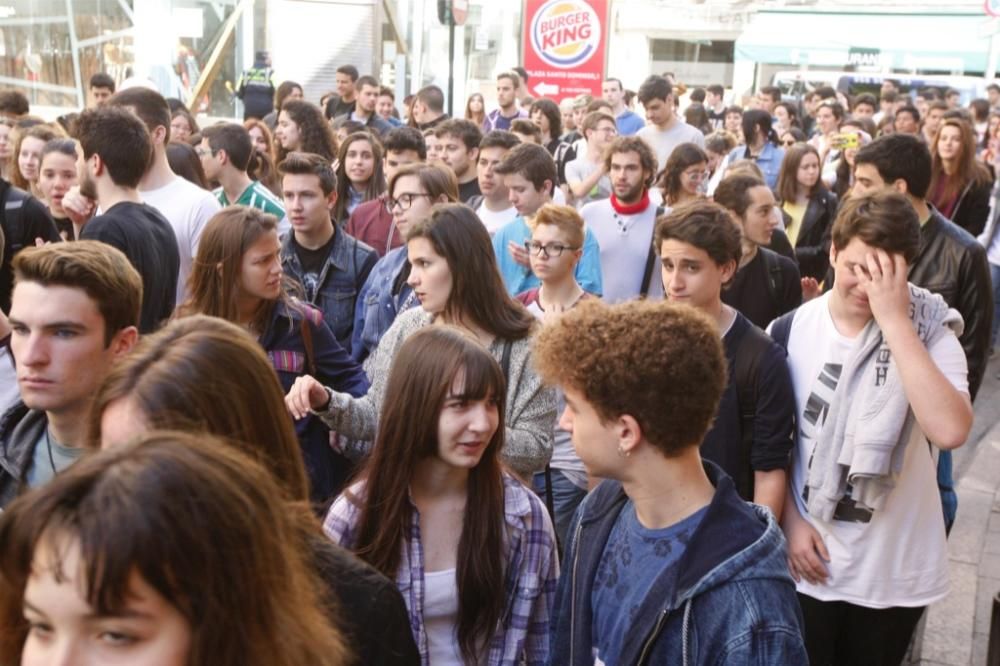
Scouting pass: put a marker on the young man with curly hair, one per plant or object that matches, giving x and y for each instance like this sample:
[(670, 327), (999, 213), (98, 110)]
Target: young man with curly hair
[(665, 564)]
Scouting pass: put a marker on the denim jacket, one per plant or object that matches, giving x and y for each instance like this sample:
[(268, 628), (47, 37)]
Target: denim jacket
[(286, 349), (732, 602), (378, 306), (339, 282), (769, 161)]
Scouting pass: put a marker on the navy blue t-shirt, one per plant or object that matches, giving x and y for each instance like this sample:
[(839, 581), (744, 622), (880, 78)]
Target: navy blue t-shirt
[(634, 559), (774, 412)]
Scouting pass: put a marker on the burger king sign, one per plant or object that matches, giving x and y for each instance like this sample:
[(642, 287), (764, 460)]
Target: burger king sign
[(564, 46)]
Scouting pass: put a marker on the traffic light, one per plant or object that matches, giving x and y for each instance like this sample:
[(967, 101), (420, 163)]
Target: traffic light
[(444, 12)]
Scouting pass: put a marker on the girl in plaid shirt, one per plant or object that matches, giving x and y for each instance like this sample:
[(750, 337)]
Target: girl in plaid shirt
[(470, 547)]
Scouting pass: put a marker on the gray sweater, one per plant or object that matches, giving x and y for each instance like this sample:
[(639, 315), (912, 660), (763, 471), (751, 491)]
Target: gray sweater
[(531, 407)]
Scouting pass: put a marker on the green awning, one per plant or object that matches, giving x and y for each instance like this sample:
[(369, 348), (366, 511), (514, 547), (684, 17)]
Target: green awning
[(886, 41)]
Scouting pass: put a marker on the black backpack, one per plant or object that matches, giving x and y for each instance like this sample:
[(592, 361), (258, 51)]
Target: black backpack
[(775, 279)]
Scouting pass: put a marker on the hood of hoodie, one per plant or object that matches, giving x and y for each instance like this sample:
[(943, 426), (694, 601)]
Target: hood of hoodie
[(735, 541)]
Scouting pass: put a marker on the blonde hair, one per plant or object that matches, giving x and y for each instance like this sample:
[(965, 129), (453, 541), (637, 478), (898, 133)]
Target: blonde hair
[(563, 218)]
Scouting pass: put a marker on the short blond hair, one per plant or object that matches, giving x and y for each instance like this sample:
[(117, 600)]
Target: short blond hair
[(564, 218)]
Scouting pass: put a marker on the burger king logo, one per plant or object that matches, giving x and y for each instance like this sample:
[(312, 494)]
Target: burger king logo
[(565, 33)]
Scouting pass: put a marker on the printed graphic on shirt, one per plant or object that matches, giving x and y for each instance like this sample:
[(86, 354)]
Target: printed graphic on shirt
[(814, 416)]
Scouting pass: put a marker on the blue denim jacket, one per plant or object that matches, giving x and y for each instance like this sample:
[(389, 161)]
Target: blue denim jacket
[(732, 602), (339, 282), (377, 306), (769, 161), (286, 349)]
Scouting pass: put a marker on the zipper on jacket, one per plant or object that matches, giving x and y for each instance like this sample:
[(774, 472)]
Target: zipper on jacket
[(572, 599), (648, 646)]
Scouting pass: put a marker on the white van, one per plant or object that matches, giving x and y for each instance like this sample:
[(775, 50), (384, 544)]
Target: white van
[(795, 84)]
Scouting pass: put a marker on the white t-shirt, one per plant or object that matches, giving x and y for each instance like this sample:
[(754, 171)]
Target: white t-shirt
[(493, 220), (663, 142), (625, 242), (441, 617), (893, 557), (188, 208), (10, 393), (579, 170)]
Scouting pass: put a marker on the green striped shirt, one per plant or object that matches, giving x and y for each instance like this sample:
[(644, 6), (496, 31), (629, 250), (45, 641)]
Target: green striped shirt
[(255, 196)]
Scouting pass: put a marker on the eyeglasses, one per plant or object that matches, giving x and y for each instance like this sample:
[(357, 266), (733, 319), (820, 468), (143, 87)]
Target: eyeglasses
[(548, 249), (404, 202), (202, 152), (696, 176)]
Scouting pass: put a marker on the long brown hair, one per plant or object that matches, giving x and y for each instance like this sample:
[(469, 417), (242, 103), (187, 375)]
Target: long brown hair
[(683, 156), (204, 374), (376, 183), (477, 294), (43, 133), (967, 168), (317, 135), (214, 281), (421, 378), (202, 524), (788, 178)]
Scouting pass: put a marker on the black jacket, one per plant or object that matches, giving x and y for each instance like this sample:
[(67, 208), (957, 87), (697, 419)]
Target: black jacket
[(20, 430), (953, 263), (812, 247), (973, 207), (368, 607), (22, 220)]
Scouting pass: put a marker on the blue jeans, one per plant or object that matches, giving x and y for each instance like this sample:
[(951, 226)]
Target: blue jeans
[(565, 498)]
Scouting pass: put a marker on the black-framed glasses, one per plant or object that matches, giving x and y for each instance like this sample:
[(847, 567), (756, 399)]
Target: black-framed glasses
[(404, 201), (548, 249)]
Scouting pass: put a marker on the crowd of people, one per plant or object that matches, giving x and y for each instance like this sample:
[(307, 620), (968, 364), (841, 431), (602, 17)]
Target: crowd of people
[(361, 383)]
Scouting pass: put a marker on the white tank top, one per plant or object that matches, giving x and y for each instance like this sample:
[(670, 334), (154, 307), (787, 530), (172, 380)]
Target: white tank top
[(441, 618)]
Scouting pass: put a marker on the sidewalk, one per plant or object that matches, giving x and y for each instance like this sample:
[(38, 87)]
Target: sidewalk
[(956, 632)]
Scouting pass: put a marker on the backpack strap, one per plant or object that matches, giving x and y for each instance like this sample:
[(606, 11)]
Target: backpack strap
[(647, 273), (13, 204), (781, 328), (775, 278), (746, 369)]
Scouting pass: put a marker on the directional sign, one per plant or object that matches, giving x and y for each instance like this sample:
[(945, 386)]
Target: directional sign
[(565, 42)]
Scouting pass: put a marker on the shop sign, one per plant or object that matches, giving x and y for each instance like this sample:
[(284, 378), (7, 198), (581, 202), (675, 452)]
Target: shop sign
[(565, 46)]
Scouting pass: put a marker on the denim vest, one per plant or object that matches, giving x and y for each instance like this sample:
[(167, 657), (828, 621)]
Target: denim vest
[(769, 161), (378, 306), (339, 283)]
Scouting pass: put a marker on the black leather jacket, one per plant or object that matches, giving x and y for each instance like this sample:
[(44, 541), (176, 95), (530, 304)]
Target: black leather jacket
[(812, 247), (952, 263)]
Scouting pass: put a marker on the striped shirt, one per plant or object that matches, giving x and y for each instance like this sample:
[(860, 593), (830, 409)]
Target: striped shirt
[(532, 565), (255, 196)]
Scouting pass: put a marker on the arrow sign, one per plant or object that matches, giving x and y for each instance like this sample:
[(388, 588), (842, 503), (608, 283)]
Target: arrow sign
[(544, 89)]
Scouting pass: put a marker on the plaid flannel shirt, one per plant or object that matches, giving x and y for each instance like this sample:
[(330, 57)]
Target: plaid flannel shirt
[(522, 636)]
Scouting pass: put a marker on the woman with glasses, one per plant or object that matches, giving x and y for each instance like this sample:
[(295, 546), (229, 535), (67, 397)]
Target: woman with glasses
[(554, 250), (413, 191), (685, 175), (454, 274)]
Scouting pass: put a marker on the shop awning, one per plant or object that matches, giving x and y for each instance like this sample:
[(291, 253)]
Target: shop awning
[(886, 41)]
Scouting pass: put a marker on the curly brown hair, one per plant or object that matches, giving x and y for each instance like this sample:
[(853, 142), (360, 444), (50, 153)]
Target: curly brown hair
[(660, 363)]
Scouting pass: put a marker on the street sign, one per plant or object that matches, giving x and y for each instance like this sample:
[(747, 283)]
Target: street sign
[(565, 42), (459, 11)]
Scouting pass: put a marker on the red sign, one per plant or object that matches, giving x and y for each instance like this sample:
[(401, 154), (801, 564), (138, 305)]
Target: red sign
[(565, 42)]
